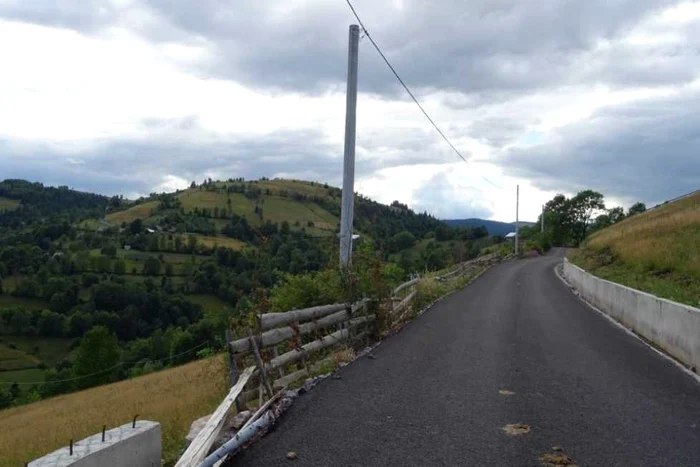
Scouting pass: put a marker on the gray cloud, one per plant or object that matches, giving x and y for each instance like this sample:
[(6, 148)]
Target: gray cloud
[(647, 150), (484, 46), (140, 166), (478, 58)]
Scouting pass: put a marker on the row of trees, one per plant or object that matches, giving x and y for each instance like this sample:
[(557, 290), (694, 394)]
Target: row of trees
[(568, 221)]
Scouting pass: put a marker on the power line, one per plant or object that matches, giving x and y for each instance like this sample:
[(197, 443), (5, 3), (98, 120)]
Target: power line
[(106, 370), (393, 70)]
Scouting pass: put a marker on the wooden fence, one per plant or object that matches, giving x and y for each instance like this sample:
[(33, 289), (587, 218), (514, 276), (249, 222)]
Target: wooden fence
[(286, 347)]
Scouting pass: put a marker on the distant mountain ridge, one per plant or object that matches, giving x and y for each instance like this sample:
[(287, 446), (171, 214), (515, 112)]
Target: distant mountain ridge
[(493, 227)]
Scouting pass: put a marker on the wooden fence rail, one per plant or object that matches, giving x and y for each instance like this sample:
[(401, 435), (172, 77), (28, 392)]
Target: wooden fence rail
[(339, 321), (198, 450)]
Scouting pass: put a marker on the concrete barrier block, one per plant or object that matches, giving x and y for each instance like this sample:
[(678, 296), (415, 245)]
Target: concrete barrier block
[(123, 447), (672, 326), (681, 333)]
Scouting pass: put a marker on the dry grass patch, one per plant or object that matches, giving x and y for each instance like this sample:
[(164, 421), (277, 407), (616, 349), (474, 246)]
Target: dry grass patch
[(173, 397), (226, 242), (667, 238), (657, 251), (140, 211), (297, 186), (556, 457), (515, 429)]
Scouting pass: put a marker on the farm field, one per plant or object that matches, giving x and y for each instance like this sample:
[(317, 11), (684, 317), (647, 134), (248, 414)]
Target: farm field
[(227, 242), (140, 211), (7, 300)]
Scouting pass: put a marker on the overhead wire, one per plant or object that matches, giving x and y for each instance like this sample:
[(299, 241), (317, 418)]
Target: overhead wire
[(413, 97)]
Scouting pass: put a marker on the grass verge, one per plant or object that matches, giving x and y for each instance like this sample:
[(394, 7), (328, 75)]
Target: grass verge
[(656, 252)]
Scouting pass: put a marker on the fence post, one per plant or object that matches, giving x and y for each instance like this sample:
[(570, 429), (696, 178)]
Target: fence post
[(232, 368), (261, 364)]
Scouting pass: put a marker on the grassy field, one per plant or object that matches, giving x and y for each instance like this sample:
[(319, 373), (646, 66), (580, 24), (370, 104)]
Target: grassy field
[(283, 209), (15, 359), (89, 224), (173, 397), (22, 376), (7, 204), (298, 186), (50, 350), (208, 302), (657, 252), (210, 199), (227, 242), (29, 303), (275, 208), (140, 211)]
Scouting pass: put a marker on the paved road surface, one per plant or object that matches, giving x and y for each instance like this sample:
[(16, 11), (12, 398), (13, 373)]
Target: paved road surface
[(431, 395)]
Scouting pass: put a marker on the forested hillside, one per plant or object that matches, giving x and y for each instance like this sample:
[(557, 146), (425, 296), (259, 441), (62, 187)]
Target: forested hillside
[(95, 289)]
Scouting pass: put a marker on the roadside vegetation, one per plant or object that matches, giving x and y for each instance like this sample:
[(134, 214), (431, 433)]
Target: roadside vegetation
[(657, 251)]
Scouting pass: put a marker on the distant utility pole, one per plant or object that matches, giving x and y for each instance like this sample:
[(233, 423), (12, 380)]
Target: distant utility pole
[(346, 213), (542, 223), (517, 219)]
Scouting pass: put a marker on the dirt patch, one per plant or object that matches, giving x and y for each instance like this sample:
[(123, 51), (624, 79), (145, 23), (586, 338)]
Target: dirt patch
[(515, 429), (505, 392), (556, 457)]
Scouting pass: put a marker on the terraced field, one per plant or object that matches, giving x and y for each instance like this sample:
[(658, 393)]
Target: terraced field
[(140, 211)]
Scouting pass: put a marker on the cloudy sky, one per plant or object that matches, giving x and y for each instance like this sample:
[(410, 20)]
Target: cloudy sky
[(129, 97)]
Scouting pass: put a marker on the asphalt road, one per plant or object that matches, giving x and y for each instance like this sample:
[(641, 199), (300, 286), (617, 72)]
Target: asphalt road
[(431, 395)]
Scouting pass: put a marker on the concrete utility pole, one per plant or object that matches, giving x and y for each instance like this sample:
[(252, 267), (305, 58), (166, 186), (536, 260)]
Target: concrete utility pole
[(517, 220), (347, 207), (542, 223)]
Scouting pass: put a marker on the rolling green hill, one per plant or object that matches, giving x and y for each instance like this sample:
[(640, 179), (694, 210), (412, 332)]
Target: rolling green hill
[(657, 251), (163, 276)]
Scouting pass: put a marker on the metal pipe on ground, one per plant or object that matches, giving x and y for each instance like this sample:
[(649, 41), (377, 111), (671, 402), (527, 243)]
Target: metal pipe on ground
[(238, 441)]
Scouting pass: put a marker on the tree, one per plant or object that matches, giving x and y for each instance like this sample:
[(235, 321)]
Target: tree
[(136, 226), (120, 267), (558, 219), (5, 397), (583, 206), (152, 266), (50, 324), (616, 214), (110, 251), (636, 208), (191, 244), (97, 358), (401, 241)]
